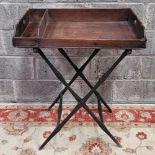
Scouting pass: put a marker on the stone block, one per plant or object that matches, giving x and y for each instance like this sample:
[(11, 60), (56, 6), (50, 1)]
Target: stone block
[(11, 13), (6, 91), (148, 67), (136, 1), (7, 47), (36, 91), (150, 15), (134, 91), (129, 68), (16, 68)]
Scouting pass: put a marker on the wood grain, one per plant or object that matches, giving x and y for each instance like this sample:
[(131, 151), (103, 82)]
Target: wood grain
[(86, 28)]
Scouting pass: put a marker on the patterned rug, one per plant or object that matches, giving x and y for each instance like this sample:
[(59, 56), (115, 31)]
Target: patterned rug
[(24, 127)]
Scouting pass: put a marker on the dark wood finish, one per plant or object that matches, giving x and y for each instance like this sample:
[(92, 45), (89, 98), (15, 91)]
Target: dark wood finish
[(86, 28)]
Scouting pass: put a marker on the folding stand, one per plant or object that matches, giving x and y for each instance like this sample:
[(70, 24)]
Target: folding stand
[(81, 101)]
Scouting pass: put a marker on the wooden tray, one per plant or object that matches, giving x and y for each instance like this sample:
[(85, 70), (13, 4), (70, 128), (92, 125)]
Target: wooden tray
[(86, 28)]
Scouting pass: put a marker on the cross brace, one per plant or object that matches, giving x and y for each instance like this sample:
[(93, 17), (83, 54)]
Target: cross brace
[(81, 101)]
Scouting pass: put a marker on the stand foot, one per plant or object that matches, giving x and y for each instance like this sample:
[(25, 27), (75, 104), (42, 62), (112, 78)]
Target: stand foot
[(40, 148), (119, 145)]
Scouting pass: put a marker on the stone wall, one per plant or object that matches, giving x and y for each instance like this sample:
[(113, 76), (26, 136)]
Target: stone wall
[(24, 77)]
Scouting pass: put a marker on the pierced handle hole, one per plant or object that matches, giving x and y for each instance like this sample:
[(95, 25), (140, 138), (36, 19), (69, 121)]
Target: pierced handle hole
[(135, 22), (24, 21)]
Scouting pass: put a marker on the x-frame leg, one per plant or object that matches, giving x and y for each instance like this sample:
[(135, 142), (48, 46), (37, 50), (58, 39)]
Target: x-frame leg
[(99, 98), (78, 73), (81, 102)]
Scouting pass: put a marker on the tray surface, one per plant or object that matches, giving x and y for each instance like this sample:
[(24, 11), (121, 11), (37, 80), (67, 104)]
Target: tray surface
[(89, 31), (95, 28)]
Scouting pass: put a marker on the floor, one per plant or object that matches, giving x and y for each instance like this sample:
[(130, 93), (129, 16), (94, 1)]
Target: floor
[(24, 127)]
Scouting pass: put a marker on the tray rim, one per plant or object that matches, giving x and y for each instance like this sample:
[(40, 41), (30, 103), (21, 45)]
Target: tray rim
[(38, 39)]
